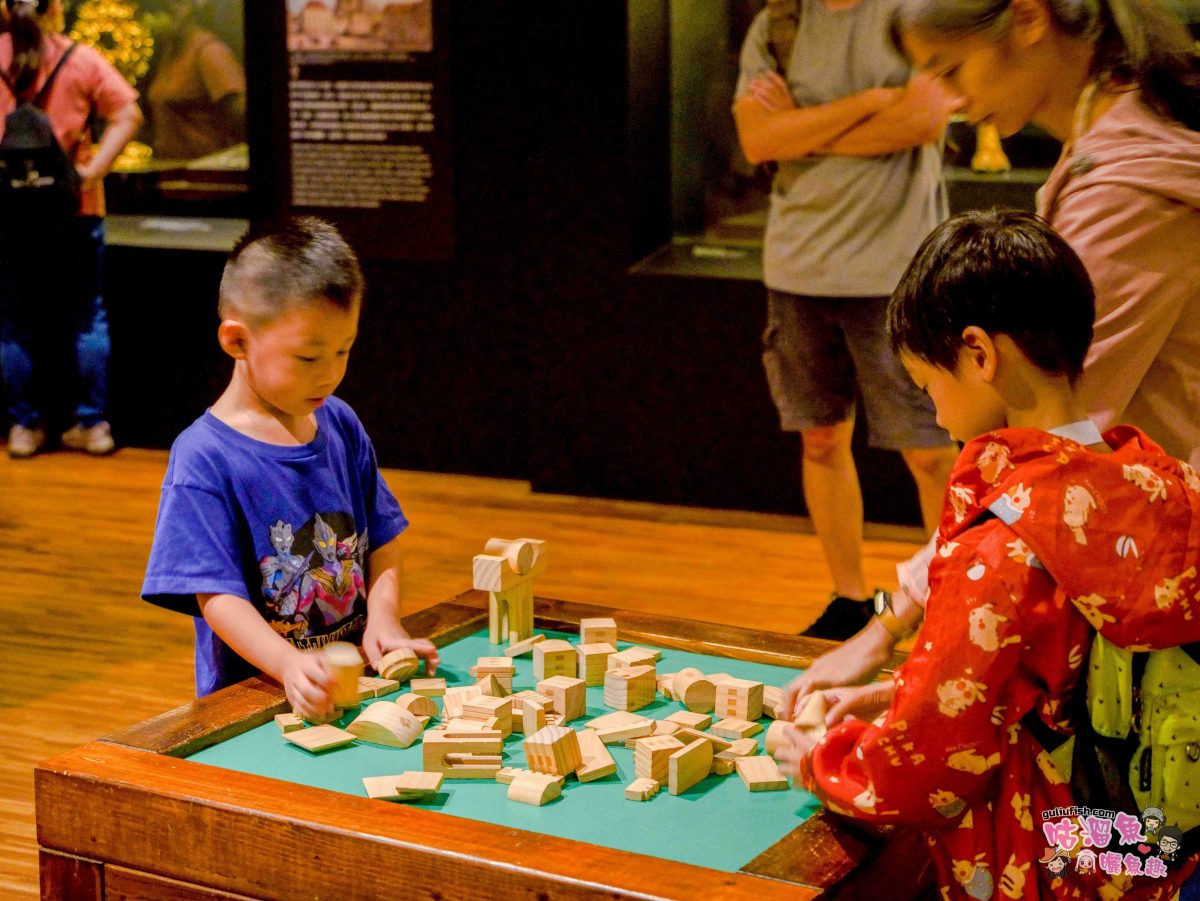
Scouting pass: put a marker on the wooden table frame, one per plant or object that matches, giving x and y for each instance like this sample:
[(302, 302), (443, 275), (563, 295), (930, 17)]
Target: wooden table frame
[(126, 817)]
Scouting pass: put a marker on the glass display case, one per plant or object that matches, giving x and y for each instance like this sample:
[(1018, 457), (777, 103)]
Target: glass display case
[(186, 58)]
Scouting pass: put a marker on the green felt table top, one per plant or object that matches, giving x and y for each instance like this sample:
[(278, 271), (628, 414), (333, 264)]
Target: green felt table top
[(717, 823)]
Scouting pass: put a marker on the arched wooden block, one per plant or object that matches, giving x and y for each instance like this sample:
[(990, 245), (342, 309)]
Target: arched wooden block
[(384, 723), (417, 705), (534, 788), (400, 664)]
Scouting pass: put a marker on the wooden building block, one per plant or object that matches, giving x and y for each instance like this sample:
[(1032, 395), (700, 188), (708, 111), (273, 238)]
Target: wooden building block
[(773, 703), (633, 657), (691, 720), (534, 788), (532, 719), (319, 738), (641, 790), (761, 774), (689, 765), (430, 688), (665, 727), (554, 749), (490, 710), (598, 630), (631, 688), (288, 722), (812, 716), (462, 755), (524, 646), (652, 755), (417, 705), (413, 785), (455, 699), (775, 738), (740, 698), (375, 687), (386, 724), (507, 774), (597, 761), (400, 664), (731, 727), (695, 692), (494, 686), (346, 664), (665, 685), (503, 668), (593, 661), (567, 696), (506, 573), (554, 657), (685, 735), (614, 728), (723, 761)]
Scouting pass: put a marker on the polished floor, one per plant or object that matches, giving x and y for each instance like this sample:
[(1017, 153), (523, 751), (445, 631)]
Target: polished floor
[(84, 656)]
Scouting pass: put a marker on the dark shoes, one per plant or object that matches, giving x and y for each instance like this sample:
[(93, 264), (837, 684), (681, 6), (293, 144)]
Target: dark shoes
[(843, 618)]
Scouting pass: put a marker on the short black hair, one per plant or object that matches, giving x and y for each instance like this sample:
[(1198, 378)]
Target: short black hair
[(288, 263), (1007, 272)]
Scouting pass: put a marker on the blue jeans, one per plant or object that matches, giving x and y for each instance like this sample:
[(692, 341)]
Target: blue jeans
[(52, 291)]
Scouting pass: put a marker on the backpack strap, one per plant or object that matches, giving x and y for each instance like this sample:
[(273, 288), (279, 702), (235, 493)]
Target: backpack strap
[(44, 94), (783, 21)]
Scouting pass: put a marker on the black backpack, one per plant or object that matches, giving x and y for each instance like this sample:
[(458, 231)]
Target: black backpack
[(37, 177)]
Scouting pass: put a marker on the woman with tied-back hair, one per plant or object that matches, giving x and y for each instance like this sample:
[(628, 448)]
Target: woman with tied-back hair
[(50, 269), (1118, 82)]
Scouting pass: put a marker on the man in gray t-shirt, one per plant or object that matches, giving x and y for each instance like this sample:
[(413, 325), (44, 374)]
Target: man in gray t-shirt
[(859, 186)]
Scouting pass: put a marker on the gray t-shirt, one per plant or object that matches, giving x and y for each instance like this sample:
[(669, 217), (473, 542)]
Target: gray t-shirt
[(844, 226)]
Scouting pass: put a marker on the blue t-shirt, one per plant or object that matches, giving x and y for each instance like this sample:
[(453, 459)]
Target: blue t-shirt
[(288, 528)]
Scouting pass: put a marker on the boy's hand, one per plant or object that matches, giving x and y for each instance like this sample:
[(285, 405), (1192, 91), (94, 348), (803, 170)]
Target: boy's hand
[(308, 684), (863, 702), (856, 661), (796, 746), (378, 640)]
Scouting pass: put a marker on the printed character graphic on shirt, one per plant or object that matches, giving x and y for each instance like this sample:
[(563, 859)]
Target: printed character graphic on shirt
[(1078, 504), (337, 581), (283, 571)]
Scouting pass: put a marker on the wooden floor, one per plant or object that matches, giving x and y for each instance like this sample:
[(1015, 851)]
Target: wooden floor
[(84, 656)]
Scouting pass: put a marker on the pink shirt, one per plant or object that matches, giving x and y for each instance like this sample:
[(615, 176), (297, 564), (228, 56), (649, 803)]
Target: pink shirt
[(87, 82), (1126, 196)]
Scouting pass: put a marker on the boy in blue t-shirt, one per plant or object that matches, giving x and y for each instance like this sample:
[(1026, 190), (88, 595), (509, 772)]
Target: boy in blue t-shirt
[(275, 529)]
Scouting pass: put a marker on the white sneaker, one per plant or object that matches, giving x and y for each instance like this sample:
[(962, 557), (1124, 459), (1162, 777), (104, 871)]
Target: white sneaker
[(96, 440), (24, 443)]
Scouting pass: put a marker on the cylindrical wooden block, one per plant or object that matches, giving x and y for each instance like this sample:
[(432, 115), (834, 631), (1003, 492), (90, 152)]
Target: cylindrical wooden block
[(775, 736), (519, 554), (400, 664), (695, 691), (347, 665)]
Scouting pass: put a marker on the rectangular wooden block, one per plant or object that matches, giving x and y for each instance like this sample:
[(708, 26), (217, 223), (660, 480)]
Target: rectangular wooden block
[(739, 698), (641, 790), (288, 722), (319, 738), (689, 719), (430, 688), (597, 629), (524, 646), (761, 774), (409, 786), (554, 657), (731, 727), (689, 766), (597, 761), (567, 696)]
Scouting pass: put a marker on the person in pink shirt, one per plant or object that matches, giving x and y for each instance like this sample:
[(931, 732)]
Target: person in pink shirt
[(1118, 82), (50, 271)]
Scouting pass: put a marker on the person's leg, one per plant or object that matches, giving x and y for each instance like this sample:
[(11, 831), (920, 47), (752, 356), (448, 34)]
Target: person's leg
[(834, 500), (18, 332), (900, 416), (92, 346)]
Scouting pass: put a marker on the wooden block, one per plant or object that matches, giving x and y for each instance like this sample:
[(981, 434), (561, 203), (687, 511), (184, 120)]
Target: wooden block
[(613, 720), (776, 738), (773, 703), (347, 665), (400, 664), (508, 773), (617, 734), (554, 749), (689, 766), (597, 630), (567, 696), (385, 723), (593, 661), (455, 699), (641, 790), (523, 647), (430, 688), (689, 719), (417, 705), (731, 727), (319, 738), (533, 717), (629, 688), (761, 774), (722, 765), (723, 761), (597, 761), (652, 755), (502, 668), (665, 727), (812, 716), (633, 657), (696, 693), (685, 735), (554, 657), (494, 686), (288, 722), (494, 572), (740, 698), (413, 785), (375, 687), (534, 788), (462, 755)]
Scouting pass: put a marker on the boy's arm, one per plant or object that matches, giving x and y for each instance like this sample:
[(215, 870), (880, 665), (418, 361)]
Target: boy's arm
[(306, 680), (769, 131), (385, 584), (916, 117)]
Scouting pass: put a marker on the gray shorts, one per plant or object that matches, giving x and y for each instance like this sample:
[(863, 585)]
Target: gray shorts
[(821, 352)]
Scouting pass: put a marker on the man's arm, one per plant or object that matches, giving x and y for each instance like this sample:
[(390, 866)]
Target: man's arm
[(917, 117), (768, 133)]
